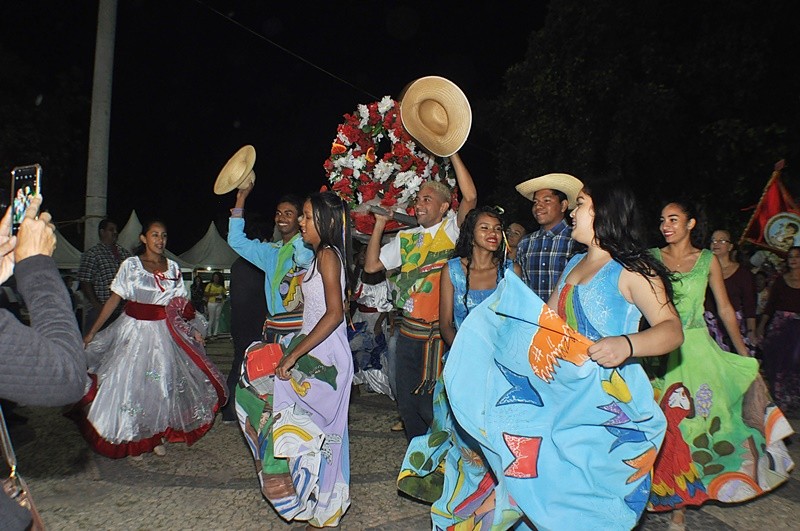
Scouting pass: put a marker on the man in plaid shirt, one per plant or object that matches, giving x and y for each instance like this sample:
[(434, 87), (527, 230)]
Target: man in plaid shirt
[(543, 254), (98, 268)]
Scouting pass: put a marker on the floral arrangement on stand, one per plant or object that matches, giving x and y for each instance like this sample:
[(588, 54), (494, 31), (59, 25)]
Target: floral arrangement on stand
[(363, 177)]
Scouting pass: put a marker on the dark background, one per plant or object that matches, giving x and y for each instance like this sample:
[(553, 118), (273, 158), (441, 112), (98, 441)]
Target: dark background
[(191, 87), (674, 98)]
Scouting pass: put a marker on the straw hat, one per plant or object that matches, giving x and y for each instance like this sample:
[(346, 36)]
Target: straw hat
[(563, 182), (437, 114), (237, 172)]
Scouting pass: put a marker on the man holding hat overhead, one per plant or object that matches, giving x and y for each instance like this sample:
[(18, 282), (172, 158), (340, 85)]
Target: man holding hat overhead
[(437, 114), (543, 254)]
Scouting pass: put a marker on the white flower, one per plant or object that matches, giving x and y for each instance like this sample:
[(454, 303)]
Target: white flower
[(360, 197), (363, 112), (392, 136), (385, 105), (342, 139), (360, 162), (383, 170)]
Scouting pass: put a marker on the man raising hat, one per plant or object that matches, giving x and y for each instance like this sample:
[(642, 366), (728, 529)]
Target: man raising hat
[(543, 254), (420, 253)]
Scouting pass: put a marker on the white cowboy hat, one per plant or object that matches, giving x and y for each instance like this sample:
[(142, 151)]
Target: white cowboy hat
[(237, 172), (437, 114), (563, 182)]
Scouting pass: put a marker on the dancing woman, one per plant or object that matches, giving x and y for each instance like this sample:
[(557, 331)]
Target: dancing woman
[(723, 438), (445, 466), (299, 435), (154, 383), (569, 434)]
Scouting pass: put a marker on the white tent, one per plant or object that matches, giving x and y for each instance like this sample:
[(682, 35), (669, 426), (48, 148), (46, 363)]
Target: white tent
[(212, 251), (129, 235), (66, 255), (129, 238)]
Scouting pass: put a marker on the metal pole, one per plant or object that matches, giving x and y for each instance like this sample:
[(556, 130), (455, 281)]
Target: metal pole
[(97, 171)]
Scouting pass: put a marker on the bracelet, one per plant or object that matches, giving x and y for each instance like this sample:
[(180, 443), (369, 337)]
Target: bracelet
[(629, 344), (237, 212)]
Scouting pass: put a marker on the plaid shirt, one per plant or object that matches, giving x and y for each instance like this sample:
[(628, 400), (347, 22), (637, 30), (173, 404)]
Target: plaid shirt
[(99, 266), (542, 256)]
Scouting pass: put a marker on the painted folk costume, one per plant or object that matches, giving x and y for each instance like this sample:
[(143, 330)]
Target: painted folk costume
[(724, 440), (298, 432), (446, 466), (153, 380), (566, 439)]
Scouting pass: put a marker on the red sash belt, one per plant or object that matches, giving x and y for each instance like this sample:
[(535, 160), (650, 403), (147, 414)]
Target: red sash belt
[(145, 312)]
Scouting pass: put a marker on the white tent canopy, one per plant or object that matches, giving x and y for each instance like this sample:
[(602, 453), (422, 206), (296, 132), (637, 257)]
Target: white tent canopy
[(66, 255), (212, 251), (129, 238), (129, 235)]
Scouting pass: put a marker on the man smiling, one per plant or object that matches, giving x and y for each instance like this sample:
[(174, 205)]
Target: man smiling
[(543, 254)]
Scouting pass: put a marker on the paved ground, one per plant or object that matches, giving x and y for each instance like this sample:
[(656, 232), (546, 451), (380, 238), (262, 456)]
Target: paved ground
[(212, 485)]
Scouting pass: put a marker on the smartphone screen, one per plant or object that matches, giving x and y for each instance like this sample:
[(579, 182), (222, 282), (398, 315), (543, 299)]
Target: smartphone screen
[(25, 185)]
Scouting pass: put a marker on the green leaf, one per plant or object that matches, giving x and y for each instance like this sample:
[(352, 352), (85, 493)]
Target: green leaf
[(702, 457), (416, 459), (428, 466), (710, 470), (437, 438), (724, 448), (715, 424), (701, 441), (427, 287), (413, 258)]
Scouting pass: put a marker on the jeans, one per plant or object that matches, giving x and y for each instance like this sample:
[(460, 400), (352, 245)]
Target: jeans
[(416, 410)]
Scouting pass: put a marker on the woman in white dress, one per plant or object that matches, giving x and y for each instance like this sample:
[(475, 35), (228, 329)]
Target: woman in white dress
[(153, 382)]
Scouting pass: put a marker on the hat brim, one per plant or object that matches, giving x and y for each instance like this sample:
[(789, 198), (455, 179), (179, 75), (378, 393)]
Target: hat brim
[(563, 182), (237, 172), (447, 131)]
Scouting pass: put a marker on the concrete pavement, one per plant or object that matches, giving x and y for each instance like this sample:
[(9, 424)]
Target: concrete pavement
[(212, 485)]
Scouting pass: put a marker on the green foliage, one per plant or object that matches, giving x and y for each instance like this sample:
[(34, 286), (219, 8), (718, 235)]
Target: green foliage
[(697, 98)]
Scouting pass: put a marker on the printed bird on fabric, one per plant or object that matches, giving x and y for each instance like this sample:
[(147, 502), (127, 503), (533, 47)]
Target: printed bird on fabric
[(676, 480)]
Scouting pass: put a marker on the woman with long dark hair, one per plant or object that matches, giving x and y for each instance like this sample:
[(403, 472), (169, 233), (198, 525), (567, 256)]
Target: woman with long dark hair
[(154, 383), (307, 416), (724, 440), (565, 417), (478, 264)]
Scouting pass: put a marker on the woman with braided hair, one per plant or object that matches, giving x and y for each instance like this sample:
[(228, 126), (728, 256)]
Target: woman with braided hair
[(445, 466)]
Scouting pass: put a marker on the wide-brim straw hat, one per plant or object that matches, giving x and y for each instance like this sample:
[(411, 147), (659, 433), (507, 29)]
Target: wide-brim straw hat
[(437, 114), (563, 182), (237, 172)]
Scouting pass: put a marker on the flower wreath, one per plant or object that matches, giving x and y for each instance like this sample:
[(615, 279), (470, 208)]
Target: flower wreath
[(362, 177)]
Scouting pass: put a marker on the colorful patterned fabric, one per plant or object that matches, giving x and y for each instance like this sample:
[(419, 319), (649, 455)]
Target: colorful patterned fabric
[(298, 434), (284, 265), (724, 440), (446, 466), (422, 256), (570, 443)]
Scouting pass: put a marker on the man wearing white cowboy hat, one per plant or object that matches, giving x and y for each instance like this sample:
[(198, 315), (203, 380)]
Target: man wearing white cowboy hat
[(543, 254)]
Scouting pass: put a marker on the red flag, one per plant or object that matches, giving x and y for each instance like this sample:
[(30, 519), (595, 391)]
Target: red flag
[(775, 224)]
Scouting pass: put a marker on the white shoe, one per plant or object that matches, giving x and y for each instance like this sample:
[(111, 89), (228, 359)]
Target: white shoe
[(160, 450)]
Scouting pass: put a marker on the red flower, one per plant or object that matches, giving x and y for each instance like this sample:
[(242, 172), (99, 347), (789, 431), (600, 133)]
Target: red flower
[(343, 186), (369, 190), (347, 172)]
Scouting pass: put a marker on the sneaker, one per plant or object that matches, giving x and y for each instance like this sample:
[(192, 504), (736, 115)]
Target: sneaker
[(160, 450), (398, 426)]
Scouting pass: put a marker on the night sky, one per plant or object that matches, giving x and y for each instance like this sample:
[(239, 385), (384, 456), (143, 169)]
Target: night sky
[(192, 85)]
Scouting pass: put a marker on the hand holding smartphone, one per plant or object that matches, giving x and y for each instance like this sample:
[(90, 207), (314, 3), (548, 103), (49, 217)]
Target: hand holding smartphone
[(25, 185)]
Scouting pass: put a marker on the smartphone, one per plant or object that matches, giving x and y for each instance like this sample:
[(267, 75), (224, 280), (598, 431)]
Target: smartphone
[(26, 183)]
